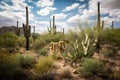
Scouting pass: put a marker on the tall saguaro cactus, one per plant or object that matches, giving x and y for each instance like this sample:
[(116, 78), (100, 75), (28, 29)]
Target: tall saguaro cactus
[(98, 28), (52, 28), (98, 20), (27, 30)]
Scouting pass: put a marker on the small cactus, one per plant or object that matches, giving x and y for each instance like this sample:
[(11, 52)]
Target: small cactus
[(17, 30), (112, 24)]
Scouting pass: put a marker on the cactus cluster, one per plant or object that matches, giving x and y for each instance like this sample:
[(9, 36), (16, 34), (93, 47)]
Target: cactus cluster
[(56, 47), (52, 29), (27, 30)]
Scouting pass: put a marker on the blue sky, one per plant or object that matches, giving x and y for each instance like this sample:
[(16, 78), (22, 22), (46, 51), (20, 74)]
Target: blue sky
[(68, 13)]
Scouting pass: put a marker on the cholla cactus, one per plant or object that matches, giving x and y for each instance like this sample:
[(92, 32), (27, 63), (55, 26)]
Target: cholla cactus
[(76, 44), (86, 44)]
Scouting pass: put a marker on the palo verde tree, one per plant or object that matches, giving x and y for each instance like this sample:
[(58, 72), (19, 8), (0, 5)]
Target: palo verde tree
[(27, 30)]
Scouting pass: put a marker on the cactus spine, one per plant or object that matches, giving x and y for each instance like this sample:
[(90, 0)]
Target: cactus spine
[(27, 30), (52, 29)]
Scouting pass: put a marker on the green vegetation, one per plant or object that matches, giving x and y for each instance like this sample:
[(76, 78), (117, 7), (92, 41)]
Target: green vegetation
[(87, 50), (44, 65), (92, 67)]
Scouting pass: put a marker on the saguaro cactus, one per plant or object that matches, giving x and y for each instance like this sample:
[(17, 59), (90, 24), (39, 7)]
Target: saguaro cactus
[(112, 24), (34, 34), (63, 32), (52, 29), (49, 30), (98, 28), (102, 24), (27, 30), (17, 30), (98, 20)]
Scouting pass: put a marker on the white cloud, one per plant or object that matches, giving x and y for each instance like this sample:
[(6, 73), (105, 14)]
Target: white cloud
[(69, 8), (45, 3), (60, 16), (45, 11), (74, 19), (82, 0)]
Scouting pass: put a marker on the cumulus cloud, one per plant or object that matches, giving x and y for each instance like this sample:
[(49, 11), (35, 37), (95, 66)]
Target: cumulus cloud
[(73, 19), (60, 16), (111, 4), (45, 11), (69, 8), (45, 3)]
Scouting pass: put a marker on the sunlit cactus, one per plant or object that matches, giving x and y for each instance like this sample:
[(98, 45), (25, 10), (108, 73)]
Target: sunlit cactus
[(27, 30), (86, 44)]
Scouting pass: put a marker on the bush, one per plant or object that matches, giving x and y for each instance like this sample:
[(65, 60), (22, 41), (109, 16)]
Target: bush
[(8, 41), (25, 60), (21, 41), (47, 76), (107, 52), (8, 66), (110, 36), (66, 74), (43, 51), (44, 65), (84, 46), (45, 39), (92, 67)]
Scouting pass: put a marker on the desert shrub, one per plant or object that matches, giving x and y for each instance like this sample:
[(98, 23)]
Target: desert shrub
[(82, 46), (66, 74), (39, 43), (45, 39), (8, 66), (47, 76), (91, 67), (8, 41), (116, 75), (44, 65), (107, 52), (56, 56), (25, 60), (43, 51), (110, 36), (21, 41)]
